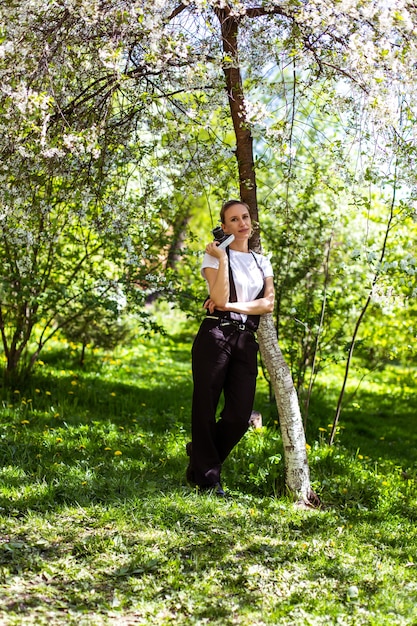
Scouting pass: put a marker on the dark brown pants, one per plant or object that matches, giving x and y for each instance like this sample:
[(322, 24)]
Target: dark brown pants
[(223, 359)]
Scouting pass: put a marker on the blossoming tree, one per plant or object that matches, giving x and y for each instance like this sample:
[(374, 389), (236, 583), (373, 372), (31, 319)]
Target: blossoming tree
[(100, 99)]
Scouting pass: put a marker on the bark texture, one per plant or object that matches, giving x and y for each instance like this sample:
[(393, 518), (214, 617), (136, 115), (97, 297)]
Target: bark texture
[(297, 473)]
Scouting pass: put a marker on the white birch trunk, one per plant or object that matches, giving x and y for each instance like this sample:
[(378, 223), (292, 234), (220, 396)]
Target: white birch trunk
[(297, 474)]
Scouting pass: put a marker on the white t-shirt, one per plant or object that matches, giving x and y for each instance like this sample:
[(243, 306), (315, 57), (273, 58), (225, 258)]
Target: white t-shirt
[(247, 276)]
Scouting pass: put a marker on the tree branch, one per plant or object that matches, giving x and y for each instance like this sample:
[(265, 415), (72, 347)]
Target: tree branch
[(261, 11), (180, 8), (365, 308)]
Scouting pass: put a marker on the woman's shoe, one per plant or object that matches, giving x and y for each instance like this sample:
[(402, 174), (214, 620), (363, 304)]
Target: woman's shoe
[(216, 490), (219, 491)]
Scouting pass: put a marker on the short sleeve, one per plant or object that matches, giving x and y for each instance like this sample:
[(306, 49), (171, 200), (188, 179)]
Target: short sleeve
[(209, 261)]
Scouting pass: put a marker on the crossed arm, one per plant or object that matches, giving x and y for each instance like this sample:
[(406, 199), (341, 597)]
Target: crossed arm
[(218, 281)]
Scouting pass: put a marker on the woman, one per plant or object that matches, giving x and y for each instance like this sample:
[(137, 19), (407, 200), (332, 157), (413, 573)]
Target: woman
[(224, 353)]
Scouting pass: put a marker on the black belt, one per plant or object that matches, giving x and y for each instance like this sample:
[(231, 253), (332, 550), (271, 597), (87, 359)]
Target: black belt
[(226, 322)]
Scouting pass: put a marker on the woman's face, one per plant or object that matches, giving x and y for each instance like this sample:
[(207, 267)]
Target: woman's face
[(237, 221)]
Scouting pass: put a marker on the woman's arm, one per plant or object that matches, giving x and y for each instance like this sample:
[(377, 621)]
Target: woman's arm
[(218, 279), (254, 307)]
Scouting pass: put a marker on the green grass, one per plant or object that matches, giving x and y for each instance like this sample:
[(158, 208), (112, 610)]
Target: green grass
[(98, 526)]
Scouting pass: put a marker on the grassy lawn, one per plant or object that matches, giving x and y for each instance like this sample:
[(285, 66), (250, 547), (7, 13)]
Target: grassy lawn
[(98, 526)]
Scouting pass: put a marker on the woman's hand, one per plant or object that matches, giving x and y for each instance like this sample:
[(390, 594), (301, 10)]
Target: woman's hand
[(213, 249), (211, 305)]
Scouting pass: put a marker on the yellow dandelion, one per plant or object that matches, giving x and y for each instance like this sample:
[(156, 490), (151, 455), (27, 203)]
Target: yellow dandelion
[(107, 448), (308, 447), (25, 422), (360, 456), (59, 440), (16, 391), (322, 430), (113, 394), (84, 482), (117, 453), (48, 393), (74, 382), (37, 390), (121, 427), (70, 393)]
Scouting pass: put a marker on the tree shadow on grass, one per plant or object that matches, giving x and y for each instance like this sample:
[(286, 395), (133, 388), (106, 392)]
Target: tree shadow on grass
[(209, 548), (200, 556), (212, 560)]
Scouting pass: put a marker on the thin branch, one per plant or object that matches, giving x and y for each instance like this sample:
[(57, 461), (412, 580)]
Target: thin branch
[(364, 309), (320, 328), (180, 8), (261, 11), (320, 62)]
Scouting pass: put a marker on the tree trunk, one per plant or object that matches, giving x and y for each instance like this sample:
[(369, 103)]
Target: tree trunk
[(243, 134), (297, 475)]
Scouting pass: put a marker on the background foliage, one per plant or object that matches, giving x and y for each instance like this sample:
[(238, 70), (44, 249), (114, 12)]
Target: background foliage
[(118, 150)]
